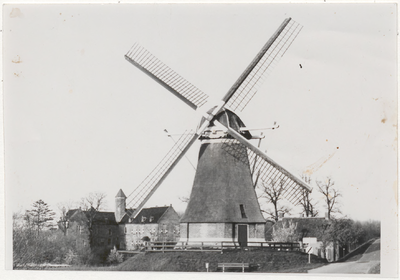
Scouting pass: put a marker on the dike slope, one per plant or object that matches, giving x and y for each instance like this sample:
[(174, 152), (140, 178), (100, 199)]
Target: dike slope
[(260, 260)]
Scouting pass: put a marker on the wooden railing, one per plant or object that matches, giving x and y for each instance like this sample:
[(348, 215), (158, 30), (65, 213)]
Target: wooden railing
[(220, 246), (283, 246)]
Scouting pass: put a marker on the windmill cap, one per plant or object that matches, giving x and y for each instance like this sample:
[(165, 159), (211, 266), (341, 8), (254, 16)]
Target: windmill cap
[(120, 194), (230, 119)]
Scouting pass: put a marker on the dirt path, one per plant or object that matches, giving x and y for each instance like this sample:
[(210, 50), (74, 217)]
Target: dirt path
[(365, 265)]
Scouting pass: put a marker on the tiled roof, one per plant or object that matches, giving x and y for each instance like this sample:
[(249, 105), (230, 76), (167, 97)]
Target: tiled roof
[(105, 218), (120, 194), (150, 215), (70, 213)]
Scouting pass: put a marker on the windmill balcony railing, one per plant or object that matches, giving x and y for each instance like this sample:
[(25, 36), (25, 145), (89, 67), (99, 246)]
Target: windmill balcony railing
[(220, 246)]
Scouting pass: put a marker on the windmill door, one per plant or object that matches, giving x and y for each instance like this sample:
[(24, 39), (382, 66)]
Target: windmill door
[(242, 235)]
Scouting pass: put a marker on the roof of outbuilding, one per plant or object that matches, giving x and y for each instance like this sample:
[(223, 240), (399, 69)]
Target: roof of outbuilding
[(70, 213), (155, 212), (103, 218), (99, 218)]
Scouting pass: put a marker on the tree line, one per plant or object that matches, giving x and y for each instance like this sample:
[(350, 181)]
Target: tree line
[(39, 239), (337, 229)]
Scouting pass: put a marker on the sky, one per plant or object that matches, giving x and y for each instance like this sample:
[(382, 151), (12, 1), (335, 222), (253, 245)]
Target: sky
[(78, 118)]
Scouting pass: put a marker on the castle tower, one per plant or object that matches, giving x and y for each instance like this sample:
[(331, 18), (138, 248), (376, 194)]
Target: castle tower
[(120, 205), (223, 205)]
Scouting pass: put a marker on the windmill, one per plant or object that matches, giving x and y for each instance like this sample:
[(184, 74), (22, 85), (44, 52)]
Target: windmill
[(222, 205)]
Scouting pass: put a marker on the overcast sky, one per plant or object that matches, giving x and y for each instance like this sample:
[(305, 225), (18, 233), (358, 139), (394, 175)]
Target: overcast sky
[(79, 118)]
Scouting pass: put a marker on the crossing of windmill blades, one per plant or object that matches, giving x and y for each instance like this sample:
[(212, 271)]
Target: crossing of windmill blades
[(223, 189)]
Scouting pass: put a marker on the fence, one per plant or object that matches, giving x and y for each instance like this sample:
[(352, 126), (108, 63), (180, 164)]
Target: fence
[(220, 246)]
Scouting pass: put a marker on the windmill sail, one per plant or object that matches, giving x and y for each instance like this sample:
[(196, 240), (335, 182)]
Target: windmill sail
[(266, 169), (236, 99), (252, 78), (142, 193), (165, 76)]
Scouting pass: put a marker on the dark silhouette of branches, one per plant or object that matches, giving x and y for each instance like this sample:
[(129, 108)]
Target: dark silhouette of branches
[(331, 195), (272, 193), (93, 200), (307, 203), (91, 205)]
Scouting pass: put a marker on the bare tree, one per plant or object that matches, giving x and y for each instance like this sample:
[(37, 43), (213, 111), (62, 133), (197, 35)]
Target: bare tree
[(323, 235), (91, 204), (63, 209), (93, 200), (272, 192), (308, 206), (22, 236), (331, 195)]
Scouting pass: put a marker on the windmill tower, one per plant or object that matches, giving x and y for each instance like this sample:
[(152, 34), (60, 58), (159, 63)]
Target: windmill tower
[(222, 205)]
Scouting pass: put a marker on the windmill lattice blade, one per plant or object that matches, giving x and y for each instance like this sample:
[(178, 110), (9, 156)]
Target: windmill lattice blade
[(144, 191), (266, 169), (268, 172), (165, 76), (250, 81)]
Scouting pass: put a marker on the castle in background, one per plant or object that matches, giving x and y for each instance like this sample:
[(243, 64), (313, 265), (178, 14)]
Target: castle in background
[(102, 231)]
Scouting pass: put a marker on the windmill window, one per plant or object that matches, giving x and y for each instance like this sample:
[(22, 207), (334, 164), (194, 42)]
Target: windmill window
[(125, 230), (144, 219), (242, 212), (151, 219)]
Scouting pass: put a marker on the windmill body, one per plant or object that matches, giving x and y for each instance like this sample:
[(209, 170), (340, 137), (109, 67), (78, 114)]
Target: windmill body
[(223, 199), (223, 205)]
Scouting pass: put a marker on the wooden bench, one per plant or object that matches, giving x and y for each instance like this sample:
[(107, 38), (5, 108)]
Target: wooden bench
[(233, 265)]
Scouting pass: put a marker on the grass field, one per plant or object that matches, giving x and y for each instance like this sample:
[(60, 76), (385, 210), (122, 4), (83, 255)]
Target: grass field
[(260, 260)]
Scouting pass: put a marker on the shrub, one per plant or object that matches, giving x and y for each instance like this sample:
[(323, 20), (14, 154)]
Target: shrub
[(114, 257), (71, 257), (286, 233)]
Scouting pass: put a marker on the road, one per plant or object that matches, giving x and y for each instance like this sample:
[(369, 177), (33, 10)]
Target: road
[(369, 259)]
